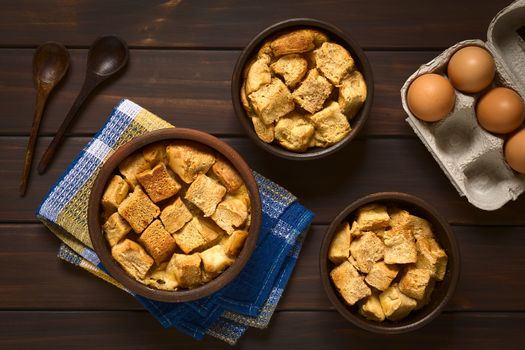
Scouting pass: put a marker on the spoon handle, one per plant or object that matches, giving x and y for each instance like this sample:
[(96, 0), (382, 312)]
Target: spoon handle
[(59, 137), (41, 99)]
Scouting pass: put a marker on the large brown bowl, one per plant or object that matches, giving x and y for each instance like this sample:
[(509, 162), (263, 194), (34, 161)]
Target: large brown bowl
[(336, 35), (443, 290), (103, 249)]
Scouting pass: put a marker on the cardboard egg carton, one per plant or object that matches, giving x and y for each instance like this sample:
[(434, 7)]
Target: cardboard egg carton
[(471, 157)]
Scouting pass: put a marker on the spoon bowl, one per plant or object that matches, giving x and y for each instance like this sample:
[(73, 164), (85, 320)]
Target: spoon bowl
[(107, 55), (50, 63)]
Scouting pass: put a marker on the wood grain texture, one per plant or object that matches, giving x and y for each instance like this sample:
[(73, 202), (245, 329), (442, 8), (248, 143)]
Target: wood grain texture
[(188, 88), (288, 330), (210, 23)]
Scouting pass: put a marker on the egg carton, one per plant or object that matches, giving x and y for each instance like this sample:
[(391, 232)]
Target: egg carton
[(471, 157)]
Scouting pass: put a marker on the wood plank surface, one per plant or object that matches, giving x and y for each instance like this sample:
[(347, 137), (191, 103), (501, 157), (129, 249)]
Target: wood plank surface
[(288, 330), (62, 286), (188, 88), (231, 24)]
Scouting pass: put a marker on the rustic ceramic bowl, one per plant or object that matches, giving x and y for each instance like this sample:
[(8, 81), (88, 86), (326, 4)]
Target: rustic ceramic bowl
[(336, 35), (103, 249), (443, 290)]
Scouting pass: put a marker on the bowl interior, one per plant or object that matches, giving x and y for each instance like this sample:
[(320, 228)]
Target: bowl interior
[(335, 35), (443, 290), (103, 249)]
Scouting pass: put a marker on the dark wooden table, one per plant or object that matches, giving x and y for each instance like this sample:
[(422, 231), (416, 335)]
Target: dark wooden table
[(182, 57)]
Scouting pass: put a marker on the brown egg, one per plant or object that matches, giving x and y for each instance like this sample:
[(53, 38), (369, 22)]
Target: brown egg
[(430, 97), (515, 151), (501, 110), (471, 69)]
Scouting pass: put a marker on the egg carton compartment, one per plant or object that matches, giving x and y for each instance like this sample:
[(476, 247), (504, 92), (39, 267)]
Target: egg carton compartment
[(471, 157)]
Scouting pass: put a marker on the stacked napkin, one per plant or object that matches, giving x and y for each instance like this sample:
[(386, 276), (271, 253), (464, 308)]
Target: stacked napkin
[(248, 301)]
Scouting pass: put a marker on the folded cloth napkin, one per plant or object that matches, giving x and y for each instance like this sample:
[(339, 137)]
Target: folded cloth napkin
[(248, 301)]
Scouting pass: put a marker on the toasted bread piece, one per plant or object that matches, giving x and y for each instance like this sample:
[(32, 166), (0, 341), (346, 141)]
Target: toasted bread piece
[(352, 94), (234, 243), (158, 183), (372, 217), (432, 257), (334, 61), (242, 194), (265, 132), (371, 309), (395, 304), (414, 282), (400, 247), (215, 260), (227, 174), (292, 68), (189, 159), (133, 258), (428, 294), (258, 75), (297, 41), (230, 214), (381, 275), (421, 228), (186, 269), (159, 278), (319, 37), (398, 218), (175, 215), (294, 132), (154, 153), (349, 283), (138, 210), (313, 92), (367, 250), (133, 165), (196, 234), (115, 228), (115, 192), (272, 101), (339, 250), (355, 231), (205, 193), (331, 125), (158, 242), (244, 100)]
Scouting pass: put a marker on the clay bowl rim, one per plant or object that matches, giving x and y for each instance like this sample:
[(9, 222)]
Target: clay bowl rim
[(102, 247), (338, 36), (446, 288)]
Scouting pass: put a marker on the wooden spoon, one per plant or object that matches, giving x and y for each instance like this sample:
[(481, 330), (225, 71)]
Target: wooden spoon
[(50, 64), (106, 57)]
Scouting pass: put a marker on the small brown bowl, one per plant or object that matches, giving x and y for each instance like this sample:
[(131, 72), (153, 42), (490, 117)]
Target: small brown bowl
[(103, 249), (335, 35), (443, 290)]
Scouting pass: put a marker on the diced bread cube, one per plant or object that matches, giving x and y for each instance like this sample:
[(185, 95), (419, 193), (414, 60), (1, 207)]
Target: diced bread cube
[(414, 282), (138, 210), (230, 214), (330, 124), (355, 231), (395, 304), (291, 67), (432, 257), (154, 153), (297, 41), (349, 283), (421, 228), (334, 61), (258, 75), (161, 279), (400, 247), (133, 165), (133, 258), (244, 100), (158, 183), (352, 94), (115, 192), (381, 275), (196, 235), (158, 242), (175, 215), (372, 217), (265, 132), (427, 296), (205, 193), (339, 250), (272, 101), (186, 269), (367, 250), (227, 174), (115, 228), (188, 159), (398, 218), (215, 260), (371, 309), (294, 132), (234, 243), (313, 92)]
